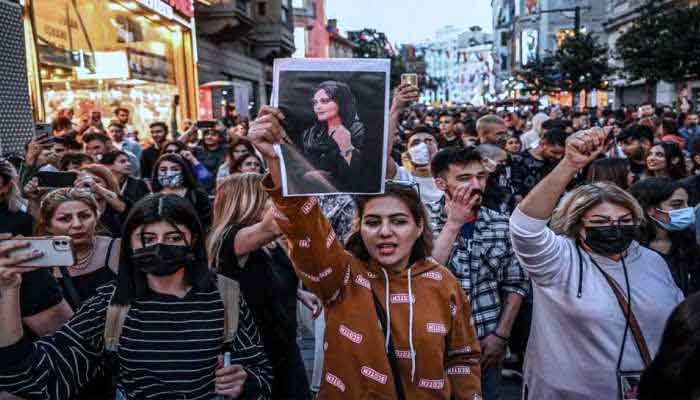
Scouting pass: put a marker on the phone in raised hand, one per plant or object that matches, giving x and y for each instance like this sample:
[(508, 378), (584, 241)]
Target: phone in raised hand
[(56, 251)]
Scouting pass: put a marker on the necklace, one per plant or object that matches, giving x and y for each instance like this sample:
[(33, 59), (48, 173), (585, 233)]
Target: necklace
[(82, 263)]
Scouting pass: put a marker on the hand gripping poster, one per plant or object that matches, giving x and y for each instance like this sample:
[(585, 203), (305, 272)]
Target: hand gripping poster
[(336, 121)]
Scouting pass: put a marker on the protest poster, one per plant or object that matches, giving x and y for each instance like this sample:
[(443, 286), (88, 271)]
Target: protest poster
[(336, 119)]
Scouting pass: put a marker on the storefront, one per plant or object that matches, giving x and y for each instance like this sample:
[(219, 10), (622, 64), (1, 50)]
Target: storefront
[(96, 55)]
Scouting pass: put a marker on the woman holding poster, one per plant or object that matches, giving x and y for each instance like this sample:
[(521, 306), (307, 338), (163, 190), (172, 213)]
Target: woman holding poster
[(398, 324), (334, 143)]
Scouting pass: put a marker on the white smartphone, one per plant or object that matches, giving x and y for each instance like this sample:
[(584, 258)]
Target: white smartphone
[(57, 251)]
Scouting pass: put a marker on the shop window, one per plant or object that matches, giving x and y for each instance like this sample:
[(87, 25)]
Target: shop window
[(95, 55)]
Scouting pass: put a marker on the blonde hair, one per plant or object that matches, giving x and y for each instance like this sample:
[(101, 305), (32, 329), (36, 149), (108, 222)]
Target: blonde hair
[(53, 199), (240, 201), (567, 217)]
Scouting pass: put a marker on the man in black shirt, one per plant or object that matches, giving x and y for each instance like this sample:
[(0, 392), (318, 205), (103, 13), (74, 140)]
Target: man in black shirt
[(447, 136), (531, 166), (636, 141), (149, 156)]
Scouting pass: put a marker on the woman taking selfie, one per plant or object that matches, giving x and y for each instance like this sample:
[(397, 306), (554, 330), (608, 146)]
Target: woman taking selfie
[(172, 174), (242, 246), (585, 270), (75, 213), (44, 314), (174, 323), (421, 308), (669, 229)]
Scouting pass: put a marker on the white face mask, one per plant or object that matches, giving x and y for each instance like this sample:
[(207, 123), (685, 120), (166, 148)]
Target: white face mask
[(420, 155)]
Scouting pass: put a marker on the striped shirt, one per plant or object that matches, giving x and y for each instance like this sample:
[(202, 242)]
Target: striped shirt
[(168, 350)]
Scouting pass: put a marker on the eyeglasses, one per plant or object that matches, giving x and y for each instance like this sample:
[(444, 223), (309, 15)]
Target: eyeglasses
[(403, 184), (605, 221)]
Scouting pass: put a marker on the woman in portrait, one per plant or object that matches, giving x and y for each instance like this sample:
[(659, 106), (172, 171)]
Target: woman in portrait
[(334, 144)]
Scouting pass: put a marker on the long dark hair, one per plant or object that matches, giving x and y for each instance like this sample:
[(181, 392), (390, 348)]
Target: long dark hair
[(341, 94), (672, 151), (236, 166), (422, 248), (613, 170), (651, 192), (672, 373), (131, 282), (188, 180)]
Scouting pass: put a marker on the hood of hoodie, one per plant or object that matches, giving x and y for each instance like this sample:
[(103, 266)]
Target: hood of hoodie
[(418, 268)]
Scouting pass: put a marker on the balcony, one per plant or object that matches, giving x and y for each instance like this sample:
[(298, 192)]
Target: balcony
[(224, 20), (272, 40)]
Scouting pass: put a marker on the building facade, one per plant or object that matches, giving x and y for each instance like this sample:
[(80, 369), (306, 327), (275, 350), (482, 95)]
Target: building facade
[(460, 66), (311, 37), (339, 46), (237, 43), (622, 14), (91, 56), (525, 30)]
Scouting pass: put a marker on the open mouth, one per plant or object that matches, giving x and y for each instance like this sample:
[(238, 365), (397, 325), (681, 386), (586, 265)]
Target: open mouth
[(387, 249)]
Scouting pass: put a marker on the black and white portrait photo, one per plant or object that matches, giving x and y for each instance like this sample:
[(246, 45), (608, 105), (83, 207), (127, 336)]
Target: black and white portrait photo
[(336, 117)]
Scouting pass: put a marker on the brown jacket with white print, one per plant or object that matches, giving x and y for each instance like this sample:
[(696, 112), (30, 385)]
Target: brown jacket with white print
[(356, 365)]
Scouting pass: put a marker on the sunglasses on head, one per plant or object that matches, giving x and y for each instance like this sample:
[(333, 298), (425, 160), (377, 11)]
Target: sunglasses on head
[(403, 185)]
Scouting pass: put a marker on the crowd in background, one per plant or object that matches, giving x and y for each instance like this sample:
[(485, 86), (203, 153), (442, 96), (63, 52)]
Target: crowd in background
[(533, 227)]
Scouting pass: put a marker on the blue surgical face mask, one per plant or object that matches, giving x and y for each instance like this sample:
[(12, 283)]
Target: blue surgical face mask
[(170, 179), (678, 219)]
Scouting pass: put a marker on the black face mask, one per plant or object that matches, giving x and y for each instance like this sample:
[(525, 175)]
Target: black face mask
[(162, 259), (610, 240)]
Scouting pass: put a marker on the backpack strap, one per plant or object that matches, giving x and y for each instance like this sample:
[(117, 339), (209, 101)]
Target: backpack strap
[(230, 291), (114, 323)]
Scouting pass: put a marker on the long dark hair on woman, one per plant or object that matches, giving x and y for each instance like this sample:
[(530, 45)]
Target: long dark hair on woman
[(341, 94), (235, 142), (672, 375), (678, 169), (180, 147), (422, 248), (613, 170), (650, 193), (238, 164), (188, 180), (175, 210)]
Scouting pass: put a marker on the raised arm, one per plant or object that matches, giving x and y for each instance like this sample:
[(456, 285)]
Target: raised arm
[(318, 257), (404, 96), (581, 148), (57, 366), (542, 253)]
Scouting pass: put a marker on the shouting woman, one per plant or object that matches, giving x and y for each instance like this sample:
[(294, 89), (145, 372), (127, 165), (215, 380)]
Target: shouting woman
[(423, 344)]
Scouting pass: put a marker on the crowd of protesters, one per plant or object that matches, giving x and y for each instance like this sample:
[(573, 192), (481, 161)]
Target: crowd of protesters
[(557, 245)]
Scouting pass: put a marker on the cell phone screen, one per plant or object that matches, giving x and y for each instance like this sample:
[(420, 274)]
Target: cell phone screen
[(209, 124), (56, 179)]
